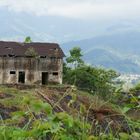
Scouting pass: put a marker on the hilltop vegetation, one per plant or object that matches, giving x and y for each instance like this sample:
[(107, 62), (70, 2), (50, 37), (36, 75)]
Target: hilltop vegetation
[(89, 106), (61, 113), (92, 79)]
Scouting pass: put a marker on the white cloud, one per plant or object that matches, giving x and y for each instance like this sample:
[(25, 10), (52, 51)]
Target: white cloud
[(84, 9)]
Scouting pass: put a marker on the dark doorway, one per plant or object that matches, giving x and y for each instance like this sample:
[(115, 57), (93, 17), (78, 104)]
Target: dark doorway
[(21, 77), (44, 78)]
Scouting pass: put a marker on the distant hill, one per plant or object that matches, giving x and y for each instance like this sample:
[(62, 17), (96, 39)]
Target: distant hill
[(119, 51)]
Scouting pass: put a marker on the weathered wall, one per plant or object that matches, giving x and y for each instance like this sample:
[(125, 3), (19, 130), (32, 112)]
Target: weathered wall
[(33, 68)]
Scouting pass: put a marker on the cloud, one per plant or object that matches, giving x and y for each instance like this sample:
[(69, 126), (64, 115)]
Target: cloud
[(82, 9)]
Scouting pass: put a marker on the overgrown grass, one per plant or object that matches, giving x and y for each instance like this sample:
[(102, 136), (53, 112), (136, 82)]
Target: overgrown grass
[(16, 96), (83, 116)]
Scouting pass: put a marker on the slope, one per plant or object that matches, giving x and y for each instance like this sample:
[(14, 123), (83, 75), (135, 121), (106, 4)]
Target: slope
[(119, 51)]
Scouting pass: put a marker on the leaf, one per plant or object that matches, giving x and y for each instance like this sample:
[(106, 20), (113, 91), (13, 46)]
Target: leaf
[(26, 100), (74, 96), (40, 106), (125, 109), (47, 108), (28, 39), (82, 109), (17, 115), (37, 106), (124, 136), (135, 135), (65, 118), (92, 138), (70, 103)]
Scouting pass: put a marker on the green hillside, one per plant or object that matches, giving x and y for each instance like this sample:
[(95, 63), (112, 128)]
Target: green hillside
[(60, 113), (119, 51)]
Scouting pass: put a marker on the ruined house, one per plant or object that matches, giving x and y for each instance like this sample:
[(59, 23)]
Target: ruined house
[(30, 63)]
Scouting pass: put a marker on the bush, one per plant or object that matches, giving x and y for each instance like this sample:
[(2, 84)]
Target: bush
[(92, 79)]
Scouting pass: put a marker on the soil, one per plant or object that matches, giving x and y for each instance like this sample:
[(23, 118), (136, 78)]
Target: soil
[(107, 118), (5, 95), (5, 112), (60, 99)]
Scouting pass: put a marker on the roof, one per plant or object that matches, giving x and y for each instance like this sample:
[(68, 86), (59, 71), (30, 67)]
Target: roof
[(19, 49)]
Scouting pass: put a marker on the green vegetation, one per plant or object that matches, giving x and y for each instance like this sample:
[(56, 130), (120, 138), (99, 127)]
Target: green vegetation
[(31, 53), (89, 106), (36, 120), (65, 114), (75, 57), (28, 39), (92, 79)]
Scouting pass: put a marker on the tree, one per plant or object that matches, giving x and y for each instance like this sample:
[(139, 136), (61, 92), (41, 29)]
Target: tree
[(95, 80), (28, 39), (75, 57), (30, 52)]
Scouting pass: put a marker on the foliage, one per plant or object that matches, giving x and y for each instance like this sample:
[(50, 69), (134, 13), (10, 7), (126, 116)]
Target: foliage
[(36, 119), (30, 118), (30, 52), (75, 57), (128, 100), (95, 80), (136, 88), (58, 126), (133, 100), (28, 39)]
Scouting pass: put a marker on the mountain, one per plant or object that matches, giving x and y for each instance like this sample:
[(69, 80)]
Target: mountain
[(119, 51), (113, 45)]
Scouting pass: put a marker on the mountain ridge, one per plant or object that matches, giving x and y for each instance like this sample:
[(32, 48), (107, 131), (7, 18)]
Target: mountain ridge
[(119, 51)]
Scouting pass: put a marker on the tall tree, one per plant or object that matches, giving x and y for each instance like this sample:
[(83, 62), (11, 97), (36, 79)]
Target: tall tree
[(75, 57), (95, 80)]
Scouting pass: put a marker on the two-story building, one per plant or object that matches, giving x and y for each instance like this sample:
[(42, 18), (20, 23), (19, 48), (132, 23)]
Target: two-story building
[(30, 63)]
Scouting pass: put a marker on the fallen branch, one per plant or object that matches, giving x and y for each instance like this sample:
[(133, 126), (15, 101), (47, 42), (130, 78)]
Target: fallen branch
[(49, 100)]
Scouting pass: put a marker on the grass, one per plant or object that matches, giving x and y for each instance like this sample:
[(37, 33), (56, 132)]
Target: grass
[(16, 96), (78, 104)]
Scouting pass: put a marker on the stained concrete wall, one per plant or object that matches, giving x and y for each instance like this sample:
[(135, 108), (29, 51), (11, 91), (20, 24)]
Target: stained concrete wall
[(33, 68)]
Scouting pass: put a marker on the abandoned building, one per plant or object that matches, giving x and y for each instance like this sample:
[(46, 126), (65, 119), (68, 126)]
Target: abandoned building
[(30, 63)]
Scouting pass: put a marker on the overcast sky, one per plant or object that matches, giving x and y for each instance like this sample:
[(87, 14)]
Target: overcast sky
[(83, 9), (65, 20)]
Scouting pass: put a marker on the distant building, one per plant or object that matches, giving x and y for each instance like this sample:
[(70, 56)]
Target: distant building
[(30, 63)]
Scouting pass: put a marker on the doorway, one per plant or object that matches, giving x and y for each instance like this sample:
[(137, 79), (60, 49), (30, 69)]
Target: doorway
[(21, 77), (44, 78)]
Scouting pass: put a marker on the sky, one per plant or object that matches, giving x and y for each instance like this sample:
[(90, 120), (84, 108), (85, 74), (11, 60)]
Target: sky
[(83, 9), (104, 15)]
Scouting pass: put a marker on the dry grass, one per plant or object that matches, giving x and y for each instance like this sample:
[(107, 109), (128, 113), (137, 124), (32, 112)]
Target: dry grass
[(77, 103)]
